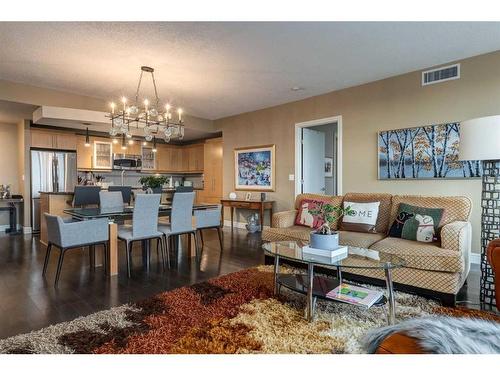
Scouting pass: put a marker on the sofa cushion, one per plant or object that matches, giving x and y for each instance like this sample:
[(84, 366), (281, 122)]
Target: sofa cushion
[(420, 255), (306, 216), (295, 232), (362, 217), (359, 239), (416, 223), (332, 199), (455, 208), (384, 209)]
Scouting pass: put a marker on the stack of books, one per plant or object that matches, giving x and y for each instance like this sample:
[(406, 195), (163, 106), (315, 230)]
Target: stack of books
[(355, 295), (339, 252)]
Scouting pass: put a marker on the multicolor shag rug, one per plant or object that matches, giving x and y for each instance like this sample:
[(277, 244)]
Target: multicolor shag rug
[(235, 313)]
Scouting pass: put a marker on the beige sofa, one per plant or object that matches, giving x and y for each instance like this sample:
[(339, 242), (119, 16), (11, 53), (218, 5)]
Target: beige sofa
[(435, 270)]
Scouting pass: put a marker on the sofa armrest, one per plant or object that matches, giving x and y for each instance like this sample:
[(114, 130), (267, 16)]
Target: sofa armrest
[(284, 219), (457, 236)]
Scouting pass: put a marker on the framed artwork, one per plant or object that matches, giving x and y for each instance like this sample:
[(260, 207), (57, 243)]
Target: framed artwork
[(425, 152), (328, 167), (254, 168), (148, 158), (248, 196), (103, 155)]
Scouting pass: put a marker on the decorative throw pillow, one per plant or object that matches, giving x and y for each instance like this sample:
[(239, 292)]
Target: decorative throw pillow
[(363, 217), (305, 217), (417, 223)]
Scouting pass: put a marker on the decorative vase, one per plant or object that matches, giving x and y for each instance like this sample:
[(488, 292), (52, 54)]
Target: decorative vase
[(253, 223), (324, 241)]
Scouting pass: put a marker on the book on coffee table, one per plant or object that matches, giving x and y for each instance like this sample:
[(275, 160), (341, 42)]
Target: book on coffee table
[(355, 295), (339, 252)]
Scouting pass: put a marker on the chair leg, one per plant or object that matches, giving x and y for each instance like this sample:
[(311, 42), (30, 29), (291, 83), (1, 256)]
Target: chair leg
[(92, 256), (129, 258), (159, 245), (59, 266), (197, 248), (219, 233), (201, 236), (47, 256), (106, 258), (167, 249)]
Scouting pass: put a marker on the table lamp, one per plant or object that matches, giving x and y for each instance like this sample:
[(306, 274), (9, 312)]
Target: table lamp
[(480, 140)]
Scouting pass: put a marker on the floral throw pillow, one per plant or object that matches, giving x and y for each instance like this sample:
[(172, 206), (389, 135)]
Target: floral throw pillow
[(305, 217)]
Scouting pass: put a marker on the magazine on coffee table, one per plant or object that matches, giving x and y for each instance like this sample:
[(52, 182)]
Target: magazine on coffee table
[(355, 295)]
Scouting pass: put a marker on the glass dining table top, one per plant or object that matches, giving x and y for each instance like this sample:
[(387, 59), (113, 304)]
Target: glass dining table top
[(356, 257), (126, 211)]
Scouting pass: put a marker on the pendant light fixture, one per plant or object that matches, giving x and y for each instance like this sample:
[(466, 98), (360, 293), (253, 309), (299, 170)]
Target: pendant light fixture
[(87, 138), (124, 145), (154, 144)]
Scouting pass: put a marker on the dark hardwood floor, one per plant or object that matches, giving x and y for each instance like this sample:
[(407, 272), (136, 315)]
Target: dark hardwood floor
[(29, 302)]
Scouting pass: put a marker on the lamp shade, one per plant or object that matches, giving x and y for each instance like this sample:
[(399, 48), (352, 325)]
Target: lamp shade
[(480, 139)]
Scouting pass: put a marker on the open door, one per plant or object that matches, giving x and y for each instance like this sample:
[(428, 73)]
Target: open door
[(313, 161)]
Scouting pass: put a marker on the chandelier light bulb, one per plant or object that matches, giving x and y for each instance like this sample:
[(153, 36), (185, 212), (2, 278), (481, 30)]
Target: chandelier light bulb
[(112, 108), (167, 107), (115, 141), (124, 100), (179, 111), (146, 103), (144, 143)]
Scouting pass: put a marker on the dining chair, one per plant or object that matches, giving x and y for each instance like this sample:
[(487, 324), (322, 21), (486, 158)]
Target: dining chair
[(144, 226), (181, 220), (125, 190), (209, 218), (110, 200), (73, 235), (86, 196)]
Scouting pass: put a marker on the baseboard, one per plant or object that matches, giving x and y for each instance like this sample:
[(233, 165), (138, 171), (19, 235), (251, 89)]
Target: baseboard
[(237, 224), (26, 230), (475, 258)]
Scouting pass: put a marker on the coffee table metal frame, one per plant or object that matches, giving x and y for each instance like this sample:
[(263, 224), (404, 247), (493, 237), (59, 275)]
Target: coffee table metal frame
[(311, 298)]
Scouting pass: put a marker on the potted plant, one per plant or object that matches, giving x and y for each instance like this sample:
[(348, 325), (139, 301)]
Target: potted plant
[(153, 183), (324, 237)]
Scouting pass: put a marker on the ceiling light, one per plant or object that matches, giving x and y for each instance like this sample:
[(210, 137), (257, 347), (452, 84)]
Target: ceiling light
[(146, 114), (297, 88)]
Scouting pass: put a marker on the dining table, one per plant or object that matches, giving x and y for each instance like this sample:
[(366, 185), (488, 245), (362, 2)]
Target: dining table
[(120, 214)]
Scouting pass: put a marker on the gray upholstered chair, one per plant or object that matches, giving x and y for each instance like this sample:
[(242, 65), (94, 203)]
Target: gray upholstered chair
[(125, 190), (110, 200), (181, 220), (86, 196), (209, 219), (72, 235), (144, 225)]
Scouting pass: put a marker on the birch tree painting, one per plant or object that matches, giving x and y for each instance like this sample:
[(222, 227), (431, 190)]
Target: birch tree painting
[(423, 152)]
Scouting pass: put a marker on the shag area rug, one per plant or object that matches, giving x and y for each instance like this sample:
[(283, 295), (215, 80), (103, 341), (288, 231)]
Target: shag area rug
[(235, 313)]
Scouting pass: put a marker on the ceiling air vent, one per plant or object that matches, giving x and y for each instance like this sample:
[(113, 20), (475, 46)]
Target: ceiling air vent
[(445, 73)]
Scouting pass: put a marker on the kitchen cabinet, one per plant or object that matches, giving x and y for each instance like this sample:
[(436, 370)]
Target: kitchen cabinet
[(196, 157), (53, 140), (212, 176)]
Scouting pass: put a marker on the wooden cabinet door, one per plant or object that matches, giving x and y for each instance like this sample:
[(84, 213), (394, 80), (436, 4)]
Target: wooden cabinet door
[(213, 169), (185, 152), (198, 155), (176, 158), (65, 141), (42, 139), (84, 154), (163, 158)]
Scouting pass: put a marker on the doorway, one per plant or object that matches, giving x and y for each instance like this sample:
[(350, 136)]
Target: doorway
[(318, 151)]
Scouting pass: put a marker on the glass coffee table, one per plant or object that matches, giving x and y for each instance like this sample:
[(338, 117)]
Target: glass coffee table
[(317, 286)]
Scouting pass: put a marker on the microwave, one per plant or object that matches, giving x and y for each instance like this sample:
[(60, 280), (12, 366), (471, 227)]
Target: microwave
[(126, 161)]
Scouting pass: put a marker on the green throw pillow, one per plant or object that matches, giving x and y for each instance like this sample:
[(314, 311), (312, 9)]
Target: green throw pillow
[(417, 223)]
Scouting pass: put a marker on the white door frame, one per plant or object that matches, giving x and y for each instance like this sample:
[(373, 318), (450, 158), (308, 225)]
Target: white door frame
[(298, 149)]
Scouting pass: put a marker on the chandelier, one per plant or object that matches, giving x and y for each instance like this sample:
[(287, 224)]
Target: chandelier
[(155, 121)]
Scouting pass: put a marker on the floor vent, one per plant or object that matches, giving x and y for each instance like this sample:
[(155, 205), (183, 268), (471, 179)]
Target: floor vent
[(446, 73)]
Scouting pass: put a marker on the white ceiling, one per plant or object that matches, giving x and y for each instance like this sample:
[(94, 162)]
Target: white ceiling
[(218, 69)]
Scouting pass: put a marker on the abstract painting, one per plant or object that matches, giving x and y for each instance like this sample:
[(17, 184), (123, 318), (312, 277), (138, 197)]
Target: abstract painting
[(254, 168), (425, 152)]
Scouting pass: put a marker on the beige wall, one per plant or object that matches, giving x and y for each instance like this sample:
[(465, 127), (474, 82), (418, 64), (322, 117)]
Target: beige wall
[(9, 159), (387, 104)]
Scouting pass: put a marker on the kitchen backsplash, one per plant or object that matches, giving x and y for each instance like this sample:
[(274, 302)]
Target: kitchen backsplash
[(131, 178)]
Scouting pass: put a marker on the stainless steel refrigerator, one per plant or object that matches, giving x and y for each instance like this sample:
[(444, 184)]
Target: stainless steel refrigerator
[(51, 171)]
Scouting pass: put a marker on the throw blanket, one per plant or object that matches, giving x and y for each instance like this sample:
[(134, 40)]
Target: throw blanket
[(443, 335)]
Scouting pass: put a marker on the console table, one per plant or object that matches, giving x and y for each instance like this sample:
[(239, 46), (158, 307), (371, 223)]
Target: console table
[(16, 200), (260, 206)]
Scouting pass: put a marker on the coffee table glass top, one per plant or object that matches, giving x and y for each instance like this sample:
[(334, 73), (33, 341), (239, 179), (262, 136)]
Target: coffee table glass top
[(356, 258)]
